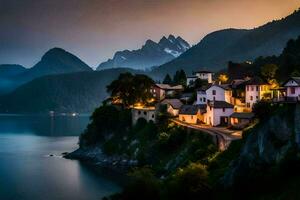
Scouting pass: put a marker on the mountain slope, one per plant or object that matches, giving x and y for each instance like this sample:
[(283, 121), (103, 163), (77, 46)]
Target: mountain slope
[(151, 54), (7, 72), (74, 92), (216, 49), (54, 61)]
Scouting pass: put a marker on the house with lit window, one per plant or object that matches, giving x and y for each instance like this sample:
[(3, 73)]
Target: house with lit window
[(256, 90), (292, 87), (162, 91), (147, 113), (240, 120), (218, 113), (173, 106), (190, 114), (219, 93)]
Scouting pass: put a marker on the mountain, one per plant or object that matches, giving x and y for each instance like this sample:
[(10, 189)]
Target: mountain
[(6, 73), (151, 54), (8, 70), (54, 61), (74, 92), (215, 50)]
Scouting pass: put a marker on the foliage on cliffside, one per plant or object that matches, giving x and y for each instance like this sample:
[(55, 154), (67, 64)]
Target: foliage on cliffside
[(175, 163)]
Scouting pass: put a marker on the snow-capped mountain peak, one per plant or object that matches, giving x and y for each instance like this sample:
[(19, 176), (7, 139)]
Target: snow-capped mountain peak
[(149, 55)]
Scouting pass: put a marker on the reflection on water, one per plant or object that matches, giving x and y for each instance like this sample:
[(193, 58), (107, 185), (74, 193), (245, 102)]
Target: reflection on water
[(28, 172)]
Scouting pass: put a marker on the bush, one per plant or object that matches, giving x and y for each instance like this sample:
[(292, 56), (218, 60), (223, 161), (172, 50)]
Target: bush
[(104, 121), (189, 183)]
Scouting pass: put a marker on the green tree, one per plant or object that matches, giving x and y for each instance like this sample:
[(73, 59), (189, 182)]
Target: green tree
[(167, 79), (180, 77), (268, 71), (189, 183), (145, 186), (129, 89)]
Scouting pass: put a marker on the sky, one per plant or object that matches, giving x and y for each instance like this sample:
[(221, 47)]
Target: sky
[(95, 29)]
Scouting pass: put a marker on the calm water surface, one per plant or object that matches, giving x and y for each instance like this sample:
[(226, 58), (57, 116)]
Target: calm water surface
[(27, 172)]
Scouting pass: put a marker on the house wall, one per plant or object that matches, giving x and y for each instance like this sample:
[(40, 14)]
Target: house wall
[(158, 93), (213, 115), (148, 115), (201, 98), (290, 94), (219, 95), (205, 76), (255, 93), (172, 111), (236, 121), (190, 80), (190, 119)]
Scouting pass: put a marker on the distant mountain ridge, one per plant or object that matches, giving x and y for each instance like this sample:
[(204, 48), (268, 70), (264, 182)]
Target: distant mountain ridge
[(73, 92), (151, 54), (54, 61), (215, 50)]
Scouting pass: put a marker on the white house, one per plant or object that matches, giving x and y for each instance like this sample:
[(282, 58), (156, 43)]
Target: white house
[(293, 88), (201, 97), (219, 93), (256, 90), (190, 80), (205, 75), (217, 113), (147, 113), (189, 114), (173, 106)]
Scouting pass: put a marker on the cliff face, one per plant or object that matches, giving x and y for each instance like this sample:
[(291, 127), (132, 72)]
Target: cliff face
[(270, 144)]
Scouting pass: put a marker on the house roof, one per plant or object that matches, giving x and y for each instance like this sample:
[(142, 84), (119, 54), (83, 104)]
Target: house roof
[(169, 87), (220, 104), (256, 81), (175, 103), (203, 71), (186, 95), (192, 76), (188, 110), (223, 86), (296, 79), (242, 115), (237, 82)]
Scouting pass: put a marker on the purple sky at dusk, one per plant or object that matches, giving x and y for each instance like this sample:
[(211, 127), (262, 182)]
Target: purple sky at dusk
[(94, 29)]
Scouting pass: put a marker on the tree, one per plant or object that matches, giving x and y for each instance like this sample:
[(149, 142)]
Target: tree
[(167, 79), (130, 89), (180, 77), (223, 78), (190, 183), (268, 71)]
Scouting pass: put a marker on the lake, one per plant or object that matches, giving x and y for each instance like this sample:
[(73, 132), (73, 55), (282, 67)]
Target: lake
[(27, 172)]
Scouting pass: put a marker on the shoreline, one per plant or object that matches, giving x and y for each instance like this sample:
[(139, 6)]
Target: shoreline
[(113, 167)]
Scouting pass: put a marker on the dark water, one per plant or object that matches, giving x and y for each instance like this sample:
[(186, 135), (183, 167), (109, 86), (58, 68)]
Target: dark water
[(28, 172)]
